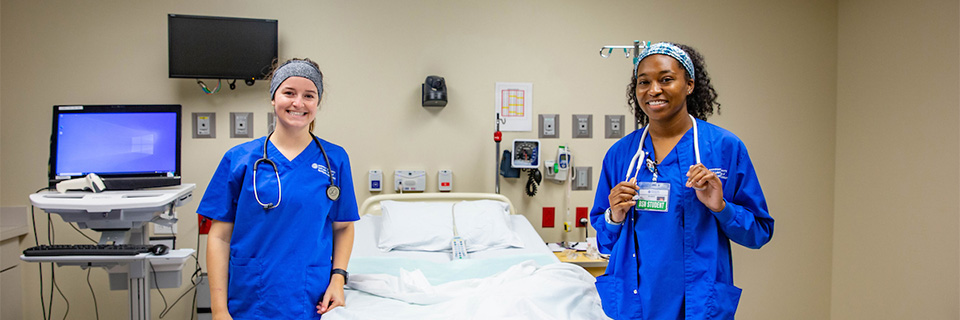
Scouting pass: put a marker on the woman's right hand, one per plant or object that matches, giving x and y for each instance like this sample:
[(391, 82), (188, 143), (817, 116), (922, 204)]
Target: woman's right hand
[(222, 316), (621, 199)]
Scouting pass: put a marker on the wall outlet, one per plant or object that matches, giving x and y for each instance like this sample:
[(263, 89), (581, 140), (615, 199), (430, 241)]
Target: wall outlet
[(241, 125), (613, 126), (582, 126), (376, 180), (582, 180), (582, 213), (548, 126), (204, 125)]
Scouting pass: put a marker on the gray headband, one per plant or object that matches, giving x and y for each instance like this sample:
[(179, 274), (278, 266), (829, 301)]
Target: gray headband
[(666, 48), (296, 68)]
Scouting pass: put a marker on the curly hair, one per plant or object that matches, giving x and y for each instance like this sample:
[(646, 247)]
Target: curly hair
[(701, 103), (275, 64)]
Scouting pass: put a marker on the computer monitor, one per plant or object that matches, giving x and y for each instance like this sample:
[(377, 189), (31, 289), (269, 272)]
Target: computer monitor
[(128, 146)]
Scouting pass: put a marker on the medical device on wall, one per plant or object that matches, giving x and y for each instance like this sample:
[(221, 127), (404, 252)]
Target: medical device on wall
[(127, 146), (526, 154), (410, 180), (445, 180), (376, 180), (434, 92), (556, 170), (501, 168)]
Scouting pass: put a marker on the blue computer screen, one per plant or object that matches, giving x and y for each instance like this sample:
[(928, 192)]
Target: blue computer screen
[(116, 143)]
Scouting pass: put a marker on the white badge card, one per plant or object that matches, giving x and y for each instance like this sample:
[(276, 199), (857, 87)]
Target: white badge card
[(653, 196)]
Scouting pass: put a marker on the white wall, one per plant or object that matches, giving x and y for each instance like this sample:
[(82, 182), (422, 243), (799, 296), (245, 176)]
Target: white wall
[(774, 65), (895, 253)]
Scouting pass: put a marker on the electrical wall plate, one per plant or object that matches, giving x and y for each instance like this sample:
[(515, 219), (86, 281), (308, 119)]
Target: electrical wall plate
[(241, 124), (613, 126), (582, 126), (548, 126), (204, 125), (271, 122), (583, 178)]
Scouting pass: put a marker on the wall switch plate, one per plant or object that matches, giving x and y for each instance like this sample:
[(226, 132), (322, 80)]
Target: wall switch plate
[(204, 125), (548, 126), (376, 180), (549, 216), (582, 126), (613, 126), (271, 122), (582, 179), (241, 125)]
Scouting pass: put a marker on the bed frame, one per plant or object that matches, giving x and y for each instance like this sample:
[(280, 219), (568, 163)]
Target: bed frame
[(372, 204)]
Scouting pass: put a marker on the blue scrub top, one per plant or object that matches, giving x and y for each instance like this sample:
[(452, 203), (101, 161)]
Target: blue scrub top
[(666, 265), (280, 259)]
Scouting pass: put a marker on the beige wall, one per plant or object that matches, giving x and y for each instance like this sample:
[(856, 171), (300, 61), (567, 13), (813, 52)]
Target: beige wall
[(774, 65), (895, 253)]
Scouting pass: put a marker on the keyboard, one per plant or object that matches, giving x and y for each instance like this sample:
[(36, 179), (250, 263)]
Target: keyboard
[(87, 250)]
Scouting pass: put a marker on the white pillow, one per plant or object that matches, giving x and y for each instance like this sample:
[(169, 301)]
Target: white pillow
[(485, 224), (428, 226), (419, 226)]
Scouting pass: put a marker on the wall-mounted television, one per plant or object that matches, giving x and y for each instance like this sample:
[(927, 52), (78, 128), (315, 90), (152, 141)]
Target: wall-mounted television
[(128, 146), (203, 47)]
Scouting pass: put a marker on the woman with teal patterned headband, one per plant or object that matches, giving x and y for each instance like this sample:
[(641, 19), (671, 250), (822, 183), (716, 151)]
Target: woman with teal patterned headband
[(667, 207)]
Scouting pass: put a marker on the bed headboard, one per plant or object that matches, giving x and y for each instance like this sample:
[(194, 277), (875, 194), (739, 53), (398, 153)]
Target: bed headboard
[(372, 204)]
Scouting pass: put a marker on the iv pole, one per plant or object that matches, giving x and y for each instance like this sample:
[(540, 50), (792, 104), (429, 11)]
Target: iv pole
[(637, 45)]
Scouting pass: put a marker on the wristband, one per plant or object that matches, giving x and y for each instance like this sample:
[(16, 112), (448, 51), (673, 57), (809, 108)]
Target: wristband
[(608, 215), (340, 272)]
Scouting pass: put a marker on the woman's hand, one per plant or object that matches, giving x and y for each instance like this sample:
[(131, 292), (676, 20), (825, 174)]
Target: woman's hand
[(333, 297), (708, 185), (621, 199)]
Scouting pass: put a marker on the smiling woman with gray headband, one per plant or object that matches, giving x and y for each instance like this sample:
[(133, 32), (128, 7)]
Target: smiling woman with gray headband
[(667, 207), (282, 208)]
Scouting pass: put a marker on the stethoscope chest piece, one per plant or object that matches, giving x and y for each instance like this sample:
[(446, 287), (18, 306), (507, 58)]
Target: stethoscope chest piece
[(333, 193)]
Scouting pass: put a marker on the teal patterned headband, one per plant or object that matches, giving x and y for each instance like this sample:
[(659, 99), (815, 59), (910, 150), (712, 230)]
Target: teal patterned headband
[(666, 48)]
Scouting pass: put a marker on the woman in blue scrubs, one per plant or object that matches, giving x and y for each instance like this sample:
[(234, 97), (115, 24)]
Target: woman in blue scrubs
[(672, 196), (281, 235)]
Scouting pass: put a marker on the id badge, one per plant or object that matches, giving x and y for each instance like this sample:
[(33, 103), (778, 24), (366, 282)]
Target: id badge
[(653, 196)]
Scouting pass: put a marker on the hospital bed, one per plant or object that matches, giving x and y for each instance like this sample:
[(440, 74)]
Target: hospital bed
[(509, 273)]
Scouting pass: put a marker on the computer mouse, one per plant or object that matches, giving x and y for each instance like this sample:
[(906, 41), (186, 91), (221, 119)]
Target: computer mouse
[(159, 250)]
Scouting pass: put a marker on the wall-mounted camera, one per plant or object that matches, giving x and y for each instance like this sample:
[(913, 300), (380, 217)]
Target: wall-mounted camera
[(434, 92)]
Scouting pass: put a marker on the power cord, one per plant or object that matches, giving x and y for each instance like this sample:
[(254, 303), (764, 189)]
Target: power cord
[(203, 87), (96, 310)]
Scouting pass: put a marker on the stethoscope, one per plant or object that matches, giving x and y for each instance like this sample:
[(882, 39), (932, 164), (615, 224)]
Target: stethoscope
[(333, 192), (643, 154)]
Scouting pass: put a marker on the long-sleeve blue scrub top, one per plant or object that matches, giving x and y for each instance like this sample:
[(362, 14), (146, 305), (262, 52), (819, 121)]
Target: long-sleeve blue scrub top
[(280, 259), (675, 264)]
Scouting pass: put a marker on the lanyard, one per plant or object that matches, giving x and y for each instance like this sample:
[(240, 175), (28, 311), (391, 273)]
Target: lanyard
[(637, 158)]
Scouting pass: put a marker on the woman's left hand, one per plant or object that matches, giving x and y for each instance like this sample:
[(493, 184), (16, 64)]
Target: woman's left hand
[(333, 297), (708, 185)]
